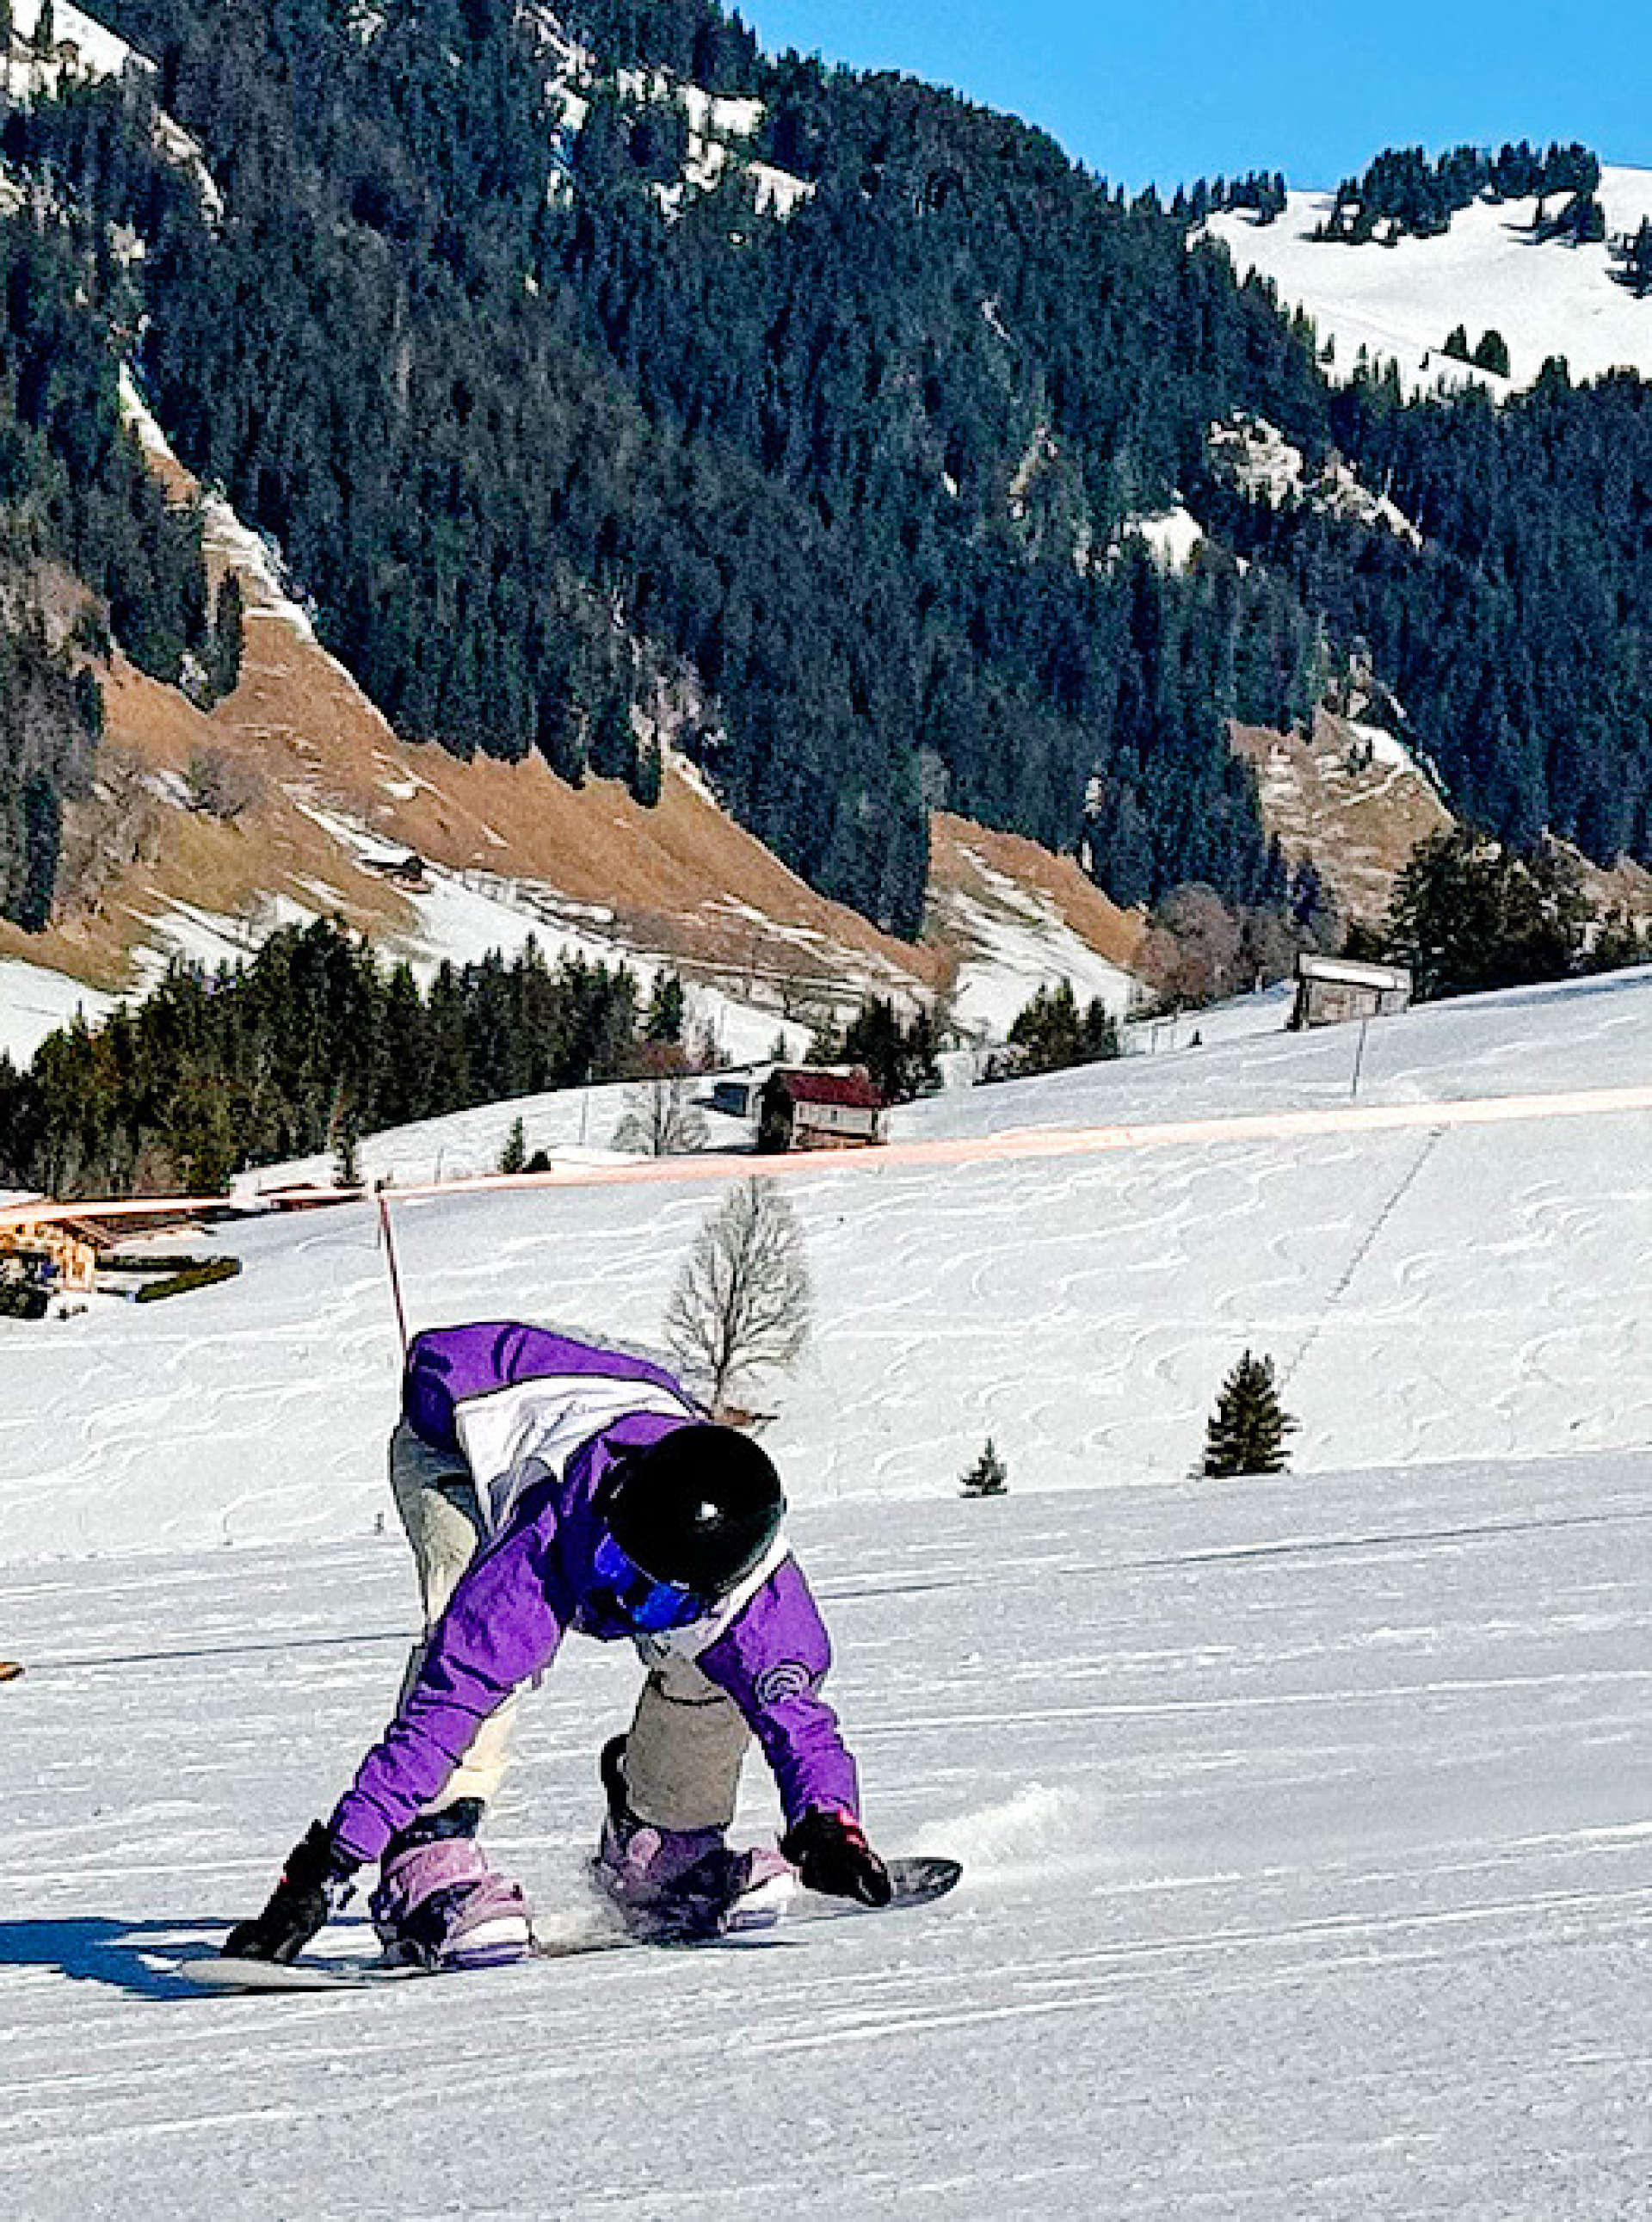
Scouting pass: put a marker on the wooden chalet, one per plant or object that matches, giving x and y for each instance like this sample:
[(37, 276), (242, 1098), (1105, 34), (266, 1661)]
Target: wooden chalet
[(57, 1253), (807, 1110), (61, 1249)]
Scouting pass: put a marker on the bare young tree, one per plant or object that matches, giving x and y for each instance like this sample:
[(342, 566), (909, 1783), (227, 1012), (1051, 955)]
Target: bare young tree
[(219, 785), (742, 1301), (659, 1119)]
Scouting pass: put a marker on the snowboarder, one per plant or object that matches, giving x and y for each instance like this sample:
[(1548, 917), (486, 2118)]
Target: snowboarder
[(548, 1484)]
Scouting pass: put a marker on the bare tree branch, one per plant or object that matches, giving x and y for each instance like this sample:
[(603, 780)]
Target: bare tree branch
[(659, 1118), (742, 1301)]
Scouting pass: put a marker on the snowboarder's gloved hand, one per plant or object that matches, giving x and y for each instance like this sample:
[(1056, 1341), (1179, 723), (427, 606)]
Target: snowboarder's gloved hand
[(831, 1854), (315, 1883)]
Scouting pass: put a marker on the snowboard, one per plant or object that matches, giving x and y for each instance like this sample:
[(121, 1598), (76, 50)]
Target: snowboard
[(916, 1882)]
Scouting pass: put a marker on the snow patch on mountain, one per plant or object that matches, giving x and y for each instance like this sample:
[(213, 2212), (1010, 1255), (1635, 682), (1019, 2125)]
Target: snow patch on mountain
[(1174, 535), (1016, 942), (1266, 467), (721, 126), (81, 49), (1401, 303), (35, 1001)]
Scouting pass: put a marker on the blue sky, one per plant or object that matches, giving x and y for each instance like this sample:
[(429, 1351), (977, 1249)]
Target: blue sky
[(1185, 88)]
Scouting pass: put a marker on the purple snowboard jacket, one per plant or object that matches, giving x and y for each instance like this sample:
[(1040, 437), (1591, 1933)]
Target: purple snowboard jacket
[(537, 1418)]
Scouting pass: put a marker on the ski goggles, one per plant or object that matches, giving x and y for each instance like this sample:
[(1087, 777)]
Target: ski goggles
[(650, 1606)]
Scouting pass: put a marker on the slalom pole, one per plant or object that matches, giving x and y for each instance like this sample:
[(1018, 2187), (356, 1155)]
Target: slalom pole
[(389, 1240)]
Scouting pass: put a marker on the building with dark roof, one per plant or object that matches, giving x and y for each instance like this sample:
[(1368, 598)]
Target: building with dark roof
[(803, 1110)]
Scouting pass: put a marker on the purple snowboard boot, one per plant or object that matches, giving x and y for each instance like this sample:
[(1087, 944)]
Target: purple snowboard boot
[(440, 1904), (683, 1882)]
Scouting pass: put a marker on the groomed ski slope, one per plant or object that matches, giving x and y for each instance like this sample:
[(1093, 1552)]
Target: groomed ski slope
[(1308, 1820)]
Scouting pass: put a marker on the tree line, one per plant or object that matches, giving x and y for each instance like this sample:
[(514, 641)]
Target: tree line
[(1414, 195), (313, 1043), (1470, 916)]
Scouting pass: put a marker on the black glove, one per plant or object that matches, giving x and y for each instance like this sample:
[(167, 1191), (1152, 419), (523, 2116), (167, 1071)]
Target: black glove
[(314, 1885), (832, 1855)]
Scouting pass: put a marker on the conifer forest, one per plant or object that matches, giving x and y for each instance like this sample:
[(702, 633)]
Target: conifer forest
[(537, 426)]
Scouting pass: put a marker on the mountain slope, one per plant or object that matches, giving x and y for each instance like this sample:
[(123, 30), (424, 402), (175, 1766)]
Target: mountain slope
[(319, 796), (1400, 302), (1304, 1829), (850, 464)]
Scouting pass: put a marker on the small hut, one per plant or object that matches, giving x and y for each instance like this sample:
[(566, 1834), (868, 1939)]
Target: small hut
[(803, 1110), (1332, 989)]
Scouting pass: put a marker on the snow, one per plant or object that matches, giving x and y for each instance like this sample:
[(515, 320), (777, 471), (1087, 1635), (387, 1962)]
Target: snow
[(462, 917), (1174, 535), (1385, 748), (35, 1001), (1018, 942), (256, 557), (1306, 1875), (575, 1124), (97, 52), (1401, 302), (1305, 1819), (1266, 466)]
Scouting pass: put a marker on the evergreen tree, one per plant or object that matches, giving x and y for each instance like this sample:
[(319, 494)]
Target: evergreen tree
[(227, 636), (1246, 1430), (513, 1157), (305, 1048), (667, 1004), (987, 1476), (1051, 1032), (899, 1059), (1493, 353), (1633, 256), (347, 1142), (1468, 914), (43, 840)]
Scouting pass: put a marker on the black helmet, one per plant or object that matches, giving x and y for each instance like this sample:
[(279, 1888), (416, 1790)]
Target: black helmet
[(697, 1508)]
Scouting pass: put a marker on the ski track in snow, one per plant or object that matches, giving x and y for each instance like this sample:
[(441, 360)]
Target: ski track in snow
[(1306, 1820), (1307, 1874)]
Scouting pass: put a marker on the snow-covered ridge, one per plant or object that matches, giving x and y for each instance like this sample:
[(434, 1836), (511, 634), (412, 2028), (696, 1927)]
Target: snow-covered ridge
[(1401, 303)]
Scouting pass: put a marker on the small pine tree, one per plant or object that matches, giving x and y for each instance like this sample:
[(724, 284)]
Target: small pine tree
[(667, 1008), (513, 1158), (988, 1477), (346, 1143), (228, 637), (1246, 1431)]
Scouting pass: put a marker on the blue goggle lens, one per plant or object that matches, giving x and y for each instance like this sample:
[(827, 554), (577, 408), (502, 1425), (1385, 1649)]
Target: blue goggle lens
[(651, 1607)]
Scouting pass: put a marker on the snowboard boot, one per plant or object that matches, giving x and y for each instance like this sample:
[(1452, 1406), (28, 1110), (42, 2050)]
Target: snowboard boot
[(683, 1883), (440, 1904)]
